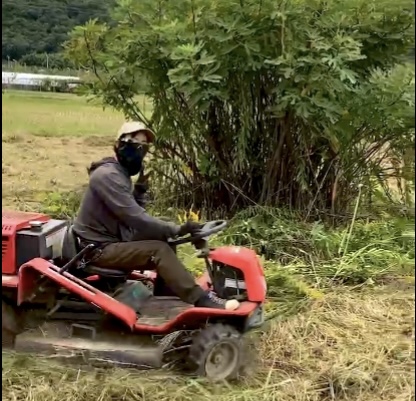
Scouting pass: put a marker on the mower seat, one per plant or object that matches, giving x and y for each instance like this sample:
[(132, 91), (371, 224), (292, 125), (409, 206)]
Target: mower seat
[(71, 247), (103, 272)]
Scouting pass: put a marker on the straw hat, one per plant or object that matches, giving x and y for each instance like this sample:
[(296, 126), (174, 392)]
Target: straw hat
[(131, 127)]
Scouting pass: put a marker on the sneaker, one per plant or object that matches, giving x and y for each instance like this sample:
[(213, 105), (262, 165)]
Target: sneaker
[(210, 300)]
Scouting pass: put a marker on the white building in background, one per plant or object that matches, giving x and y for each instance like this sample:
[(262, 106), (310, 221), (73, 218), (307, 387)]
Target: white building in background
[(33, 81)]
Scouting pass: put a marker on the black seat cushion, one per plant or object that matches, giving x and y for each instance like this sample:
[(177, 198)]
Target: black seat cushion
[(103, 272)]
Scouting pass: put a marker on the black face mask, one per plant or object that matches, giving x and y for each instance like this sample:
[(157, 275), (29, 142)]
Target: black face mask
[(130, 155)]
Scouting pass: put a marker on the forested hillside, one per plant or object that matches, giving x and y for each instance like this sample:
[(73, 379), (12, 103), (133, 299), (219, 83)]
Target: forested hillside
[(34, 28)]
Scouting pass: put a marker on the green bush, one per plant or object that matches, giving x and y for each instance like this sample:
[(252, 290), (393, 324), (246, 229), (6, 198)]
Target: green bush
[(291, 103), (62, 205), (322, 255)]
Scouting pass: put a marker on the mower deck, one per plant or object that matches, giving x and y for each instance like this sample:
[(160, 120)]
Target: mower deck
[(157, 311), (58, 340)]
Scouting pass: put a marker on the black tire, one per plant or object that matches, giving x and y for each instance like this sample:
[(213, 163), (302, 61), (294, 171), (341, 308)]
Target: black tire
[(10, 325), (223, 344), (8, 339)]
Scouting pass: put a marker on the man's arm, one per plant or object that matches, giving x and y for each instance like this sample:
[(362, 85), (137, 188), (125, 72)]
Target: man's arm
[(140, 188), (116, 195)]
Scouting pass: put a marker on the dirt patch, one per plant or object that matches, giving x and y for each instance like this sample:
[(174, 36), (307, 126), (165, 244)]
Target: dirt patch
[(33, 166)]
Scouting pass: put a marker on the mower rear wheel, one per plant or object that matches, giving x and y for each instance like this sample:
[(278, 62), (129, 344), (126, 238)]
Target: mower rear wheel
[(216, 352), (10, 325), (8, 339)]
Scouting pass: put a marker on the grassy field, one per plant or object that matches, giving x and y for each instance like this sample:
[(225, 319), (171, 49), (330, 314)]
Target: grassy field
[(349, 343), (48, 141)]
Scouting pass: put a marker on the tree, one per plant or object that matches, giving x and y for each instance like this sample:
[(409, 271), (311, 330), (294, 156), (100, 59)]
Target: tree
[(291, 103)]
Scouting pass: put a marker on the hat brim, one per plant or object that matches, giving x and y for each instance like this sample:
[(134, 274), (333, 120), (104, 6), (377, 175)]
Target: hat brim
[(150, 135)]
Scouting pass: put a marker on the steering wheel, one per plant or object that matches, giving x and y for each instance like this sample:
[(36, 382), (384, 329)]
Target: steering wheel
[(208, 229)]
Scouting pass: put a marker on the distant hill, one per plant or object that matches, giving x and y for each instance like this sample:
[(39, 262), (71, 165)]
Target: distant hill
[(33, 28)]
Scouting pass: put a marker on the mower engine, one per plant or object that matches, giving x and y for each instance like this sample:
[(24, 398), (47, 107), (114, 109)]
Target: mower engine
[(26, 236), (236, 273), (228, 282)]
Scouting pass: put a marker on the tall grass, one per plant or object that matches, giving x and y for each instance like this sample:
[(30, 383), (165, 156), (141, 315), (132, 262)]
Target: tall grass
[(340, 314)]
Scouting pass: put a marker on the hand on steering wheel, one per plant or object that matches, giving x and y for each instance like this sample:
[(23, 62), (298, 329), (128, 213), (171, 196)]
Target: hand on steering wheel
[(190, 227), (199, 232)]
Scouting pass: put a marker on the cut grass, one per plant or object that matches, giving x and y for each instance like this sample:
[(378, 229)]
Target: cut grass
[(34, 166), (354, 346), (48, 141), (341, 345)]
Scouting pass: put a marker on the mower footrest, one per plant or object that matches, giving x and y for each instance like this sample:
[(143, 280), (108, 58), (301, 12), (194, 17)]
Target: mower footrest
[(160, 310)]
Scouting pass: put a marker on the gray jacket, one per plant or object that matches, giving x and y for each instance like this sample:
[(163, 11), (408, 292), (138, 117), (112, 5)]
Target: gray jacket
[(110, 213)]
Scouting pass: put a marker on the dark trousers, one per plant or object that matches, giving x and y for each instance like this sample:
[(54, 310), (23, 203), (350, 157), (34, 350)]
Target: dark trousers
[(140, 255)]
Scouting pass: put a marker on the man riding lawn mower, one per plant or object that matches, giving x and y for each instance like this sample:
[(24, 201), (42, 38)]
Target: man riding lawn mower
[(126, 237), (111, 287)]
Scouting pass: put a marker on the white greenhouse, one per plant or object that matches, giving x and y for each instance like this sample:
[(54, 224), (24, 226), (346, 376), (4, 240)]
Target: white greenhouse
[(20, 80)]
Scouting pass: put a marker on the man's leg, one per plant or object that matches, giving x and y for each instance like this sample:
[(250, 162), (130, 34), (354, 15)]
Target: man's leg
[(137, 255)]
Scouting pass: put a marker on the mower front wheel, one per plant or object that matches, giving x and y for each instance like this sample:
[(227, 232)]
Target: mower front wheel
[(216, 352)]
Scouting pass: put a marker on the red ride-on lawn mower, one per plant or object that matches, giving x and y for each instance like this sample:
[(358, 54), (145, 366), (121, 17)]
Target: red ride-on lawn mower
[(53, 300)]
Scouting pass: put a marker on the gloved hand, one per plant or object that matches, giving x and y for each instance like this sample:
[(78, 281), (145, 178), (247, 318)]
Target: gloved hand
[(142, 199), (140, 188), (142, 184), (190, 227)]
